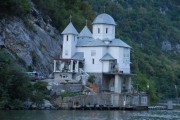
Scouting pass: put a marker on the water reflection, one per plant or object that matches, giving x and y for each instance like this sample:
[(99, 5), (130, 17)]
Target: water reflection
[(90, 115)]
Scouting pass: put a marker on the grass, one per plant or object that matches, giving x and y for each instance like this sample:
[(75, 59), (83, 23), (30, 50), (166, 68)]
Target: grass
[(70, 94)]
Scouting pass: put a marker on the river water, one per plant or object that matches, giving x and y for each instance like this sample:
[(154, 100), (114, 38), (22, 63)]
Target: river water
[(89, 115)]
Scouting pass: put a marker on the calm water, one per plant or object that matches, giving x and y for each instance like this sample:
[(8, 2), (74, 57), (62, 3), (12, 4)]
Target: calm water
[(90, 115)]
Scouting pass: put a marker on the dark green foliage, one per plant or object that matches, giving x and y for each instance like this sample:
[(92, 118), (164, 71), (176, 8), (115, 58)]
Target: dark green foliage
[(60, 10), (91, 79), (70, 94), (40, 92), (146, 22), (14, 8), (15, 85)]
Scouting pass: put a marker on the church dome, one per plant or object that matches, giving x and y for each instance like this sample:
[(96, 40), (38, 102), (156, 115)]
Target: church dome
[(104, 19)]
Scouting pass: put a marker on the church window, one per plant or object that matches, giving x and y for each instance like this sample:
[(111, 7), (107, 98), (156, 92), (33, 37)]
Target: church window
[(67, 38), (144, 100), (98, 30), (93, 61), (93, 53), (106, 30)]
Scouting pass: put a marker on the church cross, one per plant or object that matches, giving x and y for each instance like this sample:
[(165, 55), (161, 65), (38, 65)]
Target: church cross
[(104, 8), (70, 17), (86, 22)]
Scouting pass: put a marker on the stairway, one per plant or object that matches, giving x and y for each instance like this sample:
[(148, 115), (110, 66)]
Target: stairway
[(89, 89), (83, 75)]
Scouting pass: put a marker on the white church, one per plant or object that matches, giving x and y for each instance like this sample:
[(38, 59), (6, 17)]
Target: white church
[(98, 53)]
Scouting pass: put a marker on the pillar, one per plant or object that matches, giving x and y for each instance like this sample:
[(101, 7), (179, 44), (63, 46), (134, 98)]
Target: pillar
[(115, 100), (60, 66), (128, 84), (54, 65), (117, 84), (77, 69), (71, 68)]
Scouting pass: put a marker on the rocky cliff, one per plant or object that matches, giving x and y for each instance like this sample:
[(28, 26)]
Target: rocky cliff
[(31, 42)]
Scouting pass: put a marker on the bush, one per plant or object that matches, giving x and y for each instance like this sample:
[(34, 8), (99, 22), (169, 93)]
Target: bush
[(40, 92), (70, 94), (15, 86), (91, 79)]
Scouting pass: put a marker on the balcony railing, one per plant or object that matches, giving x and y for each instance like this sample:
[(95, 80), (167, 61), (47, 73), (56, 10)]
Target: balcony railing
[(118, 70)]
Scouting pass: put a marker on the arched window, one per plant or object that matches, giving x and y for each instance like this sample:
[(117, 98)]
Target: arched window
[(106, 30), (67, 38), (93, 61), (98, 30)]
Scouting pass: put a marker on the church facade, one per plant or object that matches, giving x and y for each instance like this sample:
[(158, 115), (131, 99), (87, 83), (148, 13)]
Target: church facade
[(98, 53)]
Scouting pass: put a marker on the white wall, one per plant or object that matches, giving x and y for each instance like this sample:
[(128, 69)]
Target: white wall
[(69, 46), (102, 66), (126, 60), (89, 66), (116, 53), (106, 66), (123, 62), (99, 66), (103, 35)]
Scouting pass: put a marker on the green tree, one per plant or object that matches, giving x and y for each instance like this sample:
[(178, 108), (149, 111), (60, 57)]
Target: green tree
[(15, 86), (14, 7), (60, 10), (91, 79), (40, 92)]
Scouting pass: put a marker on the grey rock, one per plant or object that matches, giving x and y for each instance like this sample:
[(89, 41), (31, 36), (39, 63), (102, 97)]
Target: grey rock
[(47, 104), (178, 48), (36, 47), (166, 46)]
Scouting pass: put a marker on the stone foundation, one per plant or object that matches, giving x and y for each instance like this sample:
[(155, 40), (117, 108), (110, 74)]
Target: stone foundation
[(98, 99)]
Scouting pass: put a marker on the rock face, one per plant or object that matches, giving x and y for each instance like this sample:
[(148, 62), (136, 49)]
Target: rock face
[(178, 48), (33, 42), (166, 46)]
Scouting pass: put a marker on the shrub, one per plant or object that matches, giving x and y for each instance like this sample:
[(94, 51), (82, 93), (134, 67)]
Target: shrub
[(91, 79)]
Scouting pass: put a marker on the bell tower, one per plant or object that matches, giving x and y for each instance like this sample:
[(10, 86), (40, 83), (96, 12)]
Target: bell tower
[(69, 41)]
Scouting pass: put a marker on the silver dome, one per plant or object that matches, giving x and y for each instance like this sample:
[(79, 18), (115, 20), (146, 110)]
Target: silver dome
[(104, 19)]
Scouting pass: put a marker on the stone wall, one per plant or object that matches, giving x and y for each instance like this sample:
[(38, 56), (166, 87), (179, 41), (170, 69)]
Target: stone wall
[(99, 99), (66, 88)]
